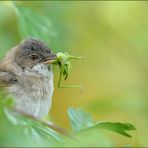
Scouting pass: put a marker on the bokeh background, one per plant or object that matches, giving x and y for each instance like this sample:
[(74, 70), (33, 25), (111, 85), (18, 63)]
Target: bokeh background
[(112, 35)]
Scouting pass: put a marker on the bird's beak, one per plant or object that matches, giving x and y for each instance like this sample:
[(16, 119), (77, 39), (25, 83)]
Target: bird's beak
[(49, 59)]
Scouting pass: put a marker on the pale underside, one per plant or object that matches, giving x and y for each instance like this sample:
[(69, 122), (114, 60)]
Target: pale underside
[(33, 91)]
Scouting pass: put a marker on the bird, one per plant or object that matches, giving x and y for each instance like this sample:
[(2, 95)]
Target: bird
[(26, 73)]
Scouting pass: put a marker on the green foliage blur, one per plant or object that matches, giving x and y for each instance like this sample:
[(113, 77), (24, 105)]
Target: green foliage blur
[(21, 130), (113, 37)]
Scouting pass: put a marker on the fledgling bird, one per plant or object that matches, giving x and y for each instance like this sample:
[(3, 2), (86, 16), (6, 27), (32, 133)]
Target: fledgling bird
[(27, 77)]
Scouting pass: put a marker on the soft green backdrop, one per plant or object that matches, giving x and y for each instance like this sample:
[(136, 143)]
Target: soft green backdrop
[(112, 35)]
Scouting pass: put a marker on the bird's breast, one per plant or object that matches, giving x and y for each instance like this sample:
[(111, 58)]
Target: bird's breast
[(33, 92)]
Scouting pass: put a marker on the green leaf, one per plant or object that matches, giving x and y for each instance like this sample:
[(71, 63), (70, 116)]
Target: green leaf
[(79, 119), (48, 132), (39, 129), (10, 135), (32, 24), (16, 126), (6, 102), (117, 127), (82, 121)]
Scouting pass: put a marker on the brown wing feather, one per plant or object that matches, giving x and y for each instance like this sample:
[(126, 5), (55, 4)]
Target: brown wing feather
[(7, 78)]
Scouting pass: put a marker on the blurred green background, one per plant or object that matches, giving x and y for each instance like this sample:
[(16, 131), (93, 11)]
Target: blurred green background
[(112, 35)]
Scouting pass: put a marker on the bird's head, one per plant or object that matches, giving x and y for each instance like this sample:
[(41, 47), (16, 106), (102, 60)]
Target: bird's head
[(31, 52)]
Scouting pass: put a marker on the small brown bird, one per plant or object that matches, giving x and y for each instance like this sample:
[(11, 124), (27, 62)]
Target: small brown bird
[(28, 78)]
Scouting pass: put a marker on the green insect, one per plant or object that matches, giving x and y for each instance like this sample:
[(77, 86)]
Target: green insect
[(63, 60)]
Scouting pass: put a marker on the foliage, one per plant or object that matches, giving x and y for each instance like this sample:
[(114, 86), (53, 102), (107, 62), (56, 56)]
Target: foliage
[(18, 130), (81, 121), (21, 130), (34, 25)]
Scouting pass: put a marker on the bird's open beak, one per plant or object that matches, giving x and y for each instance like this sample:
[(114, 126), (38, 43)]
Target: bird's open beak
[(49, 59)]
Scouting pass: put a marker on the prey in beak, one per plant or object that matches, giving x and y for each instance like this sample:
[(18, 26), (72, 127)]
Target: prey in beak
[(50, 59)]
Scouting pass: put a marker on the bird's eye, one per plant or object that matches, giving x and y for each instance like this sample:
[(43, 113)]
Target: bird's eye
[(33, 57)]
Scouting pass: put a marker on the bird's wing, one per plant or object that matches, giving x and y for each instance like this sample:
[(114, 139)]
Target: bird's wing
[(7, 78), (2, 67)]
